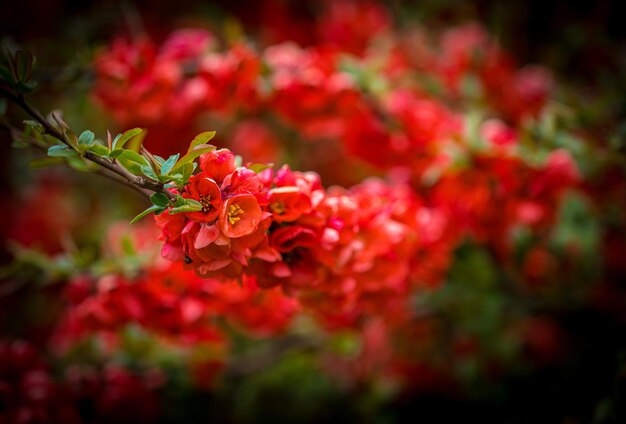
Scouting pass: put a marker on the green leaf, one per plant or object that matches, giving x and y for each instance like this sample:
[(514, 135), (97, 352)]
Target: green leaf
[(169, 164), (260, 167), (160, 199), (86, 138), (185, 208), (148, 211), (187, 170), (148, 172), (98, 149), (122, 139), (192, 155), (201, 138), (24, 65), (61, 151), (115, 153), (26, 87), (34, 125), (188, 205), (129, 155), (132, 161), (180, 200)]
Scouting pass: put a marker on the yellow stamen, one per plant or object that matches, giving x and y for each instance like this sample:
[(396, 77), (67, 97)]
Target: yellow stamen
[(205, 201), (234, 211), (278, 208)]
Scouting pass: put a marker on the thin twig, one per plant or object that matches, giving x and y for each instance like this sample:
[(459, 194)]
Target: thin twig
[(135, 181), (17, 134)]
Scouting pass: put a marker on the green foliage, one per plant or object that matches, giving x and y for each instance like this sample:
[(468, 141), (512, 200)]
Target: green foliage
[(121, 139), (61, 151), (19, 71), (159, 199), (151, 209), (167, 166), (132, 161), (86, 138), (192, 154), (188, 205)]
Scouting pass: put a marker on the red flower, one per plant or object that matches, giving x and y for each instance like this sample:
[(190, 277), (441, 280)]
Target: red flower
[(240, 216), (206, 191), (218, 163), (288, 238), (288, 203)]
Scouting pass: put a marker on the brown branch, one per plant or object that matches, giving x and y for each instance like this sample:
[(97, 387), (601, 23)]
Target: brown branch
[(128, 178), (119, 180), (42, 147)]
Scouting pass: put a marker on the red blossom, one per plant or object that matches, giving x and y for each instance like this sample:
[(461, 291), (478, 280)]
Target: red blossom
[(240, 215), (217, 164), (205, 190)]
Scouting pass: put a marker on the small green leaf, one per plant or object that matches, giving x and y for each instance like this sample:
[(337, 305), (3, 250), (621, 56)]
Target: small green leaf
[(192, 155), (180, 200), (184, 209), (148, 211), (24, 65), (115, 153), (86, 138), (122, 139), (132, 161), (260, 167), (148, 172), (34, 125), (160, 199), (169, 164), (189, 205), (201, 138), (187, 170), (98, 149), (133, 157), (26, 87), (61, 151)]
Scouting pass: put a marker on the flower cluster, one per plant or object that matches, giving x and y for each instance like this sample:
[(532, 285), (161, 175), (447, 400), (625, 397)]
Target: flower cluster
[(395, 94), (30, 392), (328, 248), (173, 303)]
